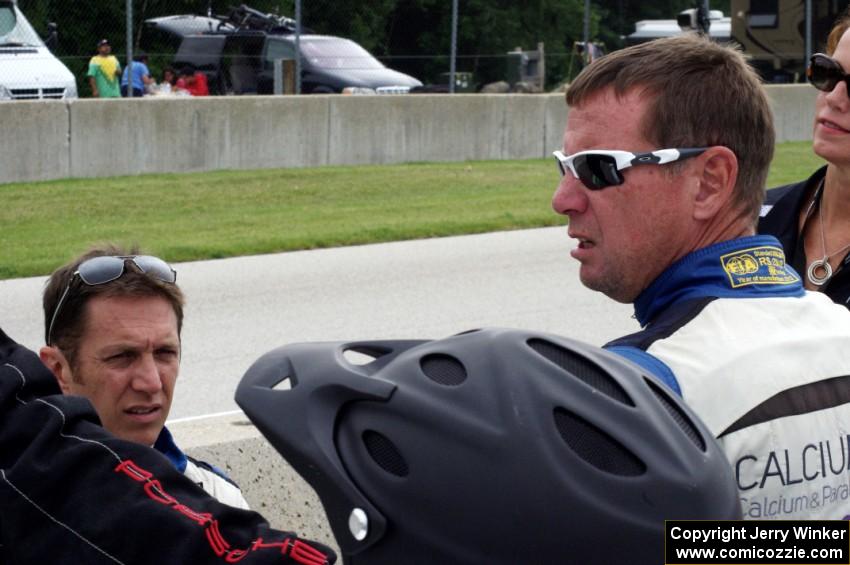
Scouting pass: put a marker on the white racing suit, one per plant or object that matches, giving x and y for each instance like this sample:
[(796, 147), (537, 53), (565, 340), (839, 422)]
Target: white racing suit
[(208, 477), (765, 364)]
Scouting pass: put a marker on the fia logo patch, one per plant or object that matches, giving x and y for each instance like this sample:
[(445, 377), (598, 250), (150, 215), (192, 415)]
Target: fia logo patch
[(757, 265)]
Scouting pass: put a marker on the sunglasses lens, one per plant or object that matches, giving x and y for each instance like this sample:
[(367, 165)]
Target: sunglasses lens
[(561, 160), (155, 267), (597, 171), (824, 73), (100, 270), (561, 168)]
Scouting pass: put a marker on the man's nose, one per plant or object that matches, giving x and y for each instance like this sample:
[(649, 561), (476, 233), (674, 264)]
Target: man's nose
[(570, 196), (146, 377)]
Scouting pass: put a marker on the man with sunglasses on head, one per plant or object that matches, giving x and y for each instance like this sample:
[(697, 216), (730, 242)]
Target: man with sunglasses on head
[(666, 151), (812, 218), (112, 334), (71, 492)]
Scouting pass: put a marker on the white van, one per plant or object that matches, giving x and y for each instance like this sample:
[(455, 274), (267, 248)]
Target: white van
[(28, 70)]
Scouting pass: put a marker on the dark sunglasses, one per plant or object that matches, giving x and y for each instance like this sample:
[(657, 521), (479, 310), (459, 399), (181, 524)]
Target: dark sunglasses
[(107, 268), (825, 73), (601, 168)]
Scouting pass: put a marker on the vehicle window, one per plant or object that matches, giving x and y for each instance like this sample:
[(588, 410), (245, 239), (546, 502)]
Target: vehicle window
[(764, 13), (338, 53), (15, 30), (202, 51), (245, 50), (276, 49), (7, 20)]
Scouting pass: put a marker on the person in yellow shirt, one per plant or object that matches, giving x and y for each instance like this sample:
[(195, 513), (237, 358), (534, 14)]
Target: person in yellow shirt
[(104, 72)]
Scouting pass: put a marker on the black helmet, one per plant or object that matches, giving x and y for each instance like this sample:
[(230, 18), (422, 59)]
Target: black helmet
[(494, 446)]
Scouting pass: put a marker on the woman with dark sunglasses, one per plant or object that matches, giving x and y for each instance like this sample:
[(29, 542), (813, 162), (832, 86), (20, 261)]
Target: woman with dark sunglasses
[(812, 218)]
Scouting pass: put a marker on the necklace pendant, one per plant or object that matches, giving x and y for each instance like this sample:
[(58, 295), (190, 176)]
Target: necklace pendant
[(817, 267)]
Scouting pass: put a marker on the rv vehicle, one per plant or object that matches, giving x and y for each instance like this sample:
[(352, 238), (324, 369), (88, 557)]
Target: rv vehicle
[(773, 33), (647, 30), (28, 70)]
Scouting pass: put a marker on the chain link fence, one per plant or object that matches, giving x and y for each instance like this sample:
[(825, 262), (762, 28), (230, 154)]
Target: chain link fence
[(235, 46)]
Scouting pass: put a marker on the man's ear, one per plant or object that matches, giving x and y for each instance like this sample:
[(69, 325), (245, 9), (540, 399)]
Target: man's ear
[(717, 174), (55, 360)]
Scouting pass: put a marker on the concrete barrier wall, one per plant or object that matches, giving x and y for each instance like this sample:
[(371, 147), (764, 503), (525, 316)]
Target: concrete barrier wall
[(34, 142), (435, 128), (93, 138), (793, 111), (555, 118), (149, 135)]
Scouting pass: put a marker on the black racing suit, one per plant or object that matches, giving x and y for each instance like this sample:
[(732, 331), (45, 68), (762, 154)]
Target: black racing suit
[(72, 493), (780, 217)]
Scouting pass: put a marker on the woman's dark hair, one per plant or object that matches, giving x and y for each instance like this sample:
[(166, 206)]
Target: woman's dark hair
[(171, 70), (841, 25)]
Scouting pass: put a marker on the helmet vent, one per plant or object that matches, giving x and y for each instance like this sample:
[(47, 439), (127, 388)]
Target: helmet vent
[(285, 383), (385, 453), (443, 369), (678, 415), (595, 446), (579, 367), (358, 357)]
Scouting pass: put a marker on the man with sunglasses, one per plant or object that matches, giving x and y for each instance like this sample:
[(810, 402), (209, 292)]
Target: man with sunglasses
[(112, 334), (812, 218), (666, 151)]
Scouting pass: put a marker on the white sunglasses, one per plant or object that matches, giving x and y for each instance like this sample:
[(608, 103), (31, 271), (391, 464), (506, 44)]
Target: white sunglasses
[(600, 168)]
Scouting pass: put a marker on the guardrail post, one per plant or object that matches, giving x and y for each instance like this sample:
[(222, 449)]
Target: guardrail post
[(278, 76), (284, 76)]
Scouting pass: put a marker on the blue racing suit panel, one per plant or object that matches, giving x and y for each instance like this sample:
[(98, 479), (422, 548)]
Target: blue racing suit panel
[(208, 477), (652, 364), (747, 267)]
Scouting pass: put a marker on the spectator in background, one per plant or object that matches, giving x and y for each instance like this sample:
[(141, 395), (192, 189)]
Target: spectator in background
[(141, 76), (812, 217), (589, 51), (169, 80), (104, 70), (192, 81)]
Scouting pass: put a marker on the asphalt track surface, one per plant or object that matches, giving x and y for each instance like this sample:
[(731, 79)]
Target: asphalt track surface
[(238, 309)]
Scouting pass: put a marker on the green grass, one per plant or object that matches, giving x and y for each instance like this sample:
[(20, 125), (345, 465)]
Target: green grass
[(184, 217), (793, 162)]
